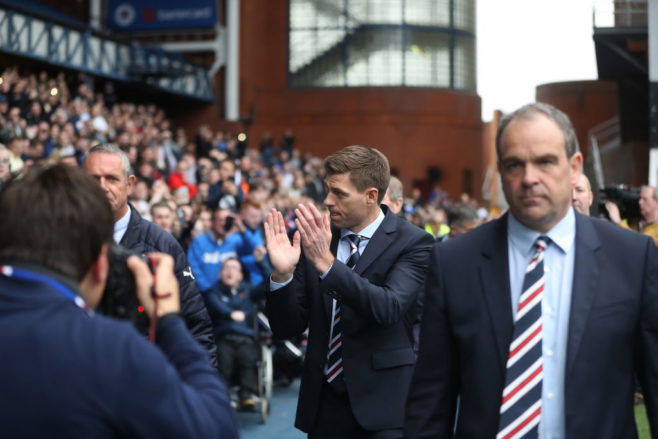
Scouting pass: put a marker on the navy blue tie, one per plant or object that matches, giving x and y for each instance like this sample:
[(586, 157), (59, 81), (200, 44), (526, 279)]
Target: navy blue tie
[(334, 367)]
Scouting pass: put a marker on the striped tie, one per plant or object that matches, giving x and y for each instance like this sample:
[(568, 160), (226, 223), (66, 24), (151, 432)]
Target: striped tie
[(520, 410), (334, 367)]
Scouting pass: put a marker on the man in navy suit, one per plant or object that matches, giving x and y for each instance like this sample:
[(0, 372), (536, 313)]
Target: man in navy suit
[(593, 298), (355, 288)]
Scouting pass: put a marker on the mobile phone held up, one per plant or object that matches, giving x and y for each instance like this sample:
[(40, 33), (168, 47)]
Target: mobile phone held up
[(228, 224)]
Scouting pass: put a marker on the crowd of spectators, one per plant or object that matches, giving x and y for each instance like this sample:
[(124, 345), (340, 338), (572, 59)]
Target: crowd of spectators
[(181, 177)]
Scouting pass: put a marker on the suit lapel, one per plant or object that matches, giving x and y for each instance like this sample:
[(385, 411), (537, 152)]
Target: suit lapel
[(494, 275), (585, 278), (378, 243)]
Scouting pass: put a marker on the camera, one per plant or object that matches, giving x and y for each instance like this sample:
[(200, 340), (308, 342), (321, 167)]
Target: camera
[(120, 296), (627, 199), (228, 223)]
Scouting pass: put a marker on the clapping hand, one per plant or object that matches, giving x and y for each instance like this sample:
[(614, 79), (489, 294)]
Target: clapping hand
[(315, 230), (284, 255)]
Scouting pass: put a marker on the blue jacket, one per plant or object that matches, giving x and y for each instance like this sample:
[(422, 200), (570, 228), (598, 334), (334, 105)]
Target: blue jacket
[(221, 302), (249, 261), (206, 255), (68, 374)]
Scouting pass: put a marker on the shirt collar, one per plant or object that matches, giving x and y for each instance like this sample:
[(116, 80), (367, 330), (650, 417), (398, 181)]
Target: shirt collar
[(562, 234), (121, 226), (368, 230)]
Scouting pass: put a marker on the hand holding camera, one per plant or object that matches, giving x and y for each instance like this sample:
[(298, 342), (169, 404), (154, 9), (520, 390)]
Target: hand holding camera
[(157, 292), (131, 285)]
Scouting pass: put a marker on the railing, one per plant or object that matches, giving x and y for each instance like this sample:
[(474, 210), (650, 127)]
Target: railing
[(620, 13), (79, 49), (602, 138)]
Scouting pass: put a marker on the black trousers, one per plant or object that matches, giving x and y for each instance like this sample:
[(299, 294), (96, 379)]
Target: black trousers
[(336, 420), (237, 357)]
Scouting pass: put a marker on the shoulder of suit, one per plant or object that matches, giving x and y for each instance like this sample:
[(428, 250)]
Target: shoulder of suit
[(475, 238), (160, 240), (609, 231), (148, 237), (409, 229)]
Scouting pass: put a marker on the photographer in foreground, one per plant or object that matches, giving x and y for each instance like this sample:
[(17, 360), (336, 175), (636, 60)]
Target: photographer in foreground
[(69, 373)]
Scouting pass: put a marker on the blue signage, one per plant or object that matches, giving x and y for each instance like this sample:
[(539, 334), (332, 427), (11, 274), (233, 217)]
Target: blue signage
[(131, 15)]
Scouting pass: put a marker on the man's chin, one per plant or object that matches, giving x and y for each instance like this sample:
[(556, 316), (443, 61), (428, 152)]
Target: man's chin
[(531, 215), (336, 221)]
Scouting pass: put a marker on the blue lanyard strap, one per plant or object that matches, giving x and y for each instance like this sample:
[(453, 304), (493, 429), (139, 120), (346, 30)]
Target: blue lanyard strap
[(30, 276)]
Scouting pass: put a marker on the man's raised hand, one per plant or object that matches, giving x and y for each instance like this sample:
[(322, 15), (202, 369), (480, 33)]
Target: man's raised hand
[(315, 230), (284, 256)]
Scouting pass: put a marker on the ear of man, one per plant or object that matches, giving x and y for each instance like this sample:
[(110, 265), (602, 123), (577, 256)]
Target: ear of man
[(93, 284), (372, 195)]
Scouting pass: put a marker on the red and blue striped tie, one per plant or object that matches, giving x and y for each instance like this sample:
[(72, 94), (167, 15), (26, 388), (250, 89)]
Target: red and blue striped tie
[(334, 367), (520, 410)]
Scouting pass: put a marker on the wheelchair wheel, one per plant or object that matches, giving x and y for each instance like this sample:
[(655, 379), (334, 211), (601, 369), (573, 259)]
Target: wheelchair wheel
[(264, 410), (266, 374)]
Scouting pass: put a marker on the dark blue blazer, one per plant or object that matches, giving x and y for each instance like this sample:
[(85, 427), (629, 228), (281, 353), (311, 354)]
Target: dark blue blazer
[(378, 308), (467, 328)]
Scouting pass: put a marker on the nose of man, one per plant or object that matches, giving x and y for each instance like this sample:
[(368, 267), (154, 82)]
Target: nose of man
[(328, 201), (103, 182), (530, 175)]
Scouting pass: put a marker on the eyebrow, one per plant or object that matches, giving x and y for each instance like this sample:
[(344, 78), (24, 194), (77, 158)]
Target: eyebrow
[(336, 190), (531, 159)]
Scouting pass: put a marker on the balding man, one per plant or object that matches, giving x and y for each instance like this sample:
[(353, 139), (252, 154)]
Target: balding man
[(536, 324), (581, 195), (648, 203), (394, 197), (649, 210)]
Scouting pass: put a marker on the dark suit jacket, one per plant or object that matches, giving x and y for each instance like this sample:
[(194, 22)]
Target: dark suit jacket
[(143, 236), (377, 305), (467, 328)]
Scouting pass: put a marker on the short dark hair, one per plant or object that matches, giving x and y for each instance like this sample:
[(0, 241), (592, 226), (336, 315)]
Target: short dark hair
[(216, 210), (243, 269), (367, 168), (57, 216), (531, 110)]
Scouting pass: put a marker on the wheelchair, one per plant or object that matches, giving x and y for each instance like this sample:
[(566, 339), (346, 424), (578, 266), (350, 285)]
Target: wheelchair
[(265, 366), (284, 356), (264, 373)]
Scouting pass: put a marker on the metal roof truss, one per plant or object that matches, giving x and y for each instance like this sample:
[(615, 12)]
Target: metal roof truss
[(25, 35)]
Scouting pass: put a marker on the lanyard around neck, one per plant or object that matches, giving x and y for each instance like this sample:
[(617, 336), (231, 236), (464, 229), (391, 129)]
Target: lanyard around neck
[(31, 276)]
